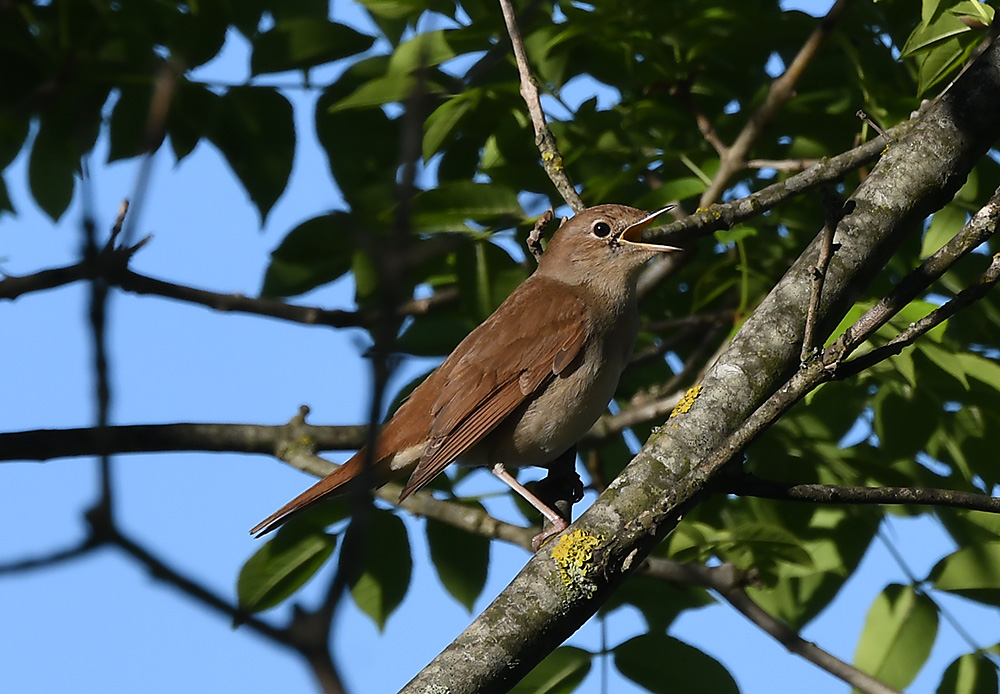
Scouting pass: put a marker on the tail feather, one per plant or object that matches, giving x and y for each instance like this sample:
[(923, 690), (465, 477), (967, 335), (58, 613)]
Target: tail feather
[(327, 486)]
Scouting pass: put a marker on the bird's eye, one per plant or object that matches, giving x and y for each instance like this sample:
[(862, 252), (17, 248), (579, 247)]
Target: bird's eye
[(602, 229)]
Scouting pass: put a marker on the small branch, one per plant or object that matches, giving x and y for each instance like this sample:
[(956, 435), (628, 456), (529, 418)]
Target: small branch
[(778, 95), (750, 485), (727, 215), (544, 140), (534, 241), (47, 560), (782, 164), (874, 126), (935, 318), (13, 287), (729, 582), (980, 228), (826, 250)]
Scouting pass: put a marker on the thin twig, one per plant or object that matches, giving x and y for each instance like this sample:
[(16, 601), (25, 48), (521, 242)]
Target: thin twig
[(537, 232), (935, 318), (778, 95), (544, 139), (729, 583), (834, 213), (782, 164), (980, 228), (13, 287), (750, 485), (872, 124)]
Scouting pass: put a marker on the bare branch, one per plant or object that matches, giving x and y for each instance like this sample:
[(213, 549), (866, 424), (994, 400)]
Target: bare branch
[(826, 249), (780, 92), (980, 228), (544, 140), (727, 215), (729, 582), (935, 318), (13, 287), (750, 485)]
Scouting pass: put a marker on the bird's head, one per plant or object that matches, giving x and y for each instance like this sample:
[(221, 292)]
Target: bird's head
[(602, 245)]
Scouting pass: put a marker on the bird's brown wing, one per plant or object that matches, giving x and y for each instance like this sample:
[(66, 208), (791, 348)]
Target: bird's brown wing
[(502, 363)]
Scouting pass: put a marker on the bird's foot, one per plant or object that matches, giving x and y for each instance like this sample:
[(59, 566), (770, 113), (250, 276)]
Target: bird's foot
[(550, 531)]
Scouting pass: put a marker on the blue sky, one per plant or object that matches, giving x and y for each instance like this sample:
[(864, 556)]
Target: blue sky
[(100, 623)]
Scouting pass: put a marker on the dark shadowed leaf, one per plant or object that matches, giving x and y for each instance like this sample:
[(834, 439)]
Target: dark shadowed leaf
[(460, 558), (385, 576), (256, 134), (664, 665), (51, 171), (970, 674), (304, 42), (315, 252)]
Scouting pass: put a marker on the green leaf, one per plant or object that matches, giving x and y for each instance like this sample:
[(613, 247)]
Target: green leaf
[(980, 368), (423, 50), (281, 567), (946, 222), (658, 662), (385, 577), (939, 63), (447, 207), (460, 558), (737, 233), (560, 672), (359, 163), (898, 635), (973, 572), (928, 35), (256, 134), (658, 607), (314, 253), (443, 120), (970, 674), (304, 42), (376, 92)]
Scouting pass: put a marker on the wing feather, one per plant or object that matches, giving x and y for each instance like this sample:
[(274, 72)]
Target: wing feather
[(504, 362)]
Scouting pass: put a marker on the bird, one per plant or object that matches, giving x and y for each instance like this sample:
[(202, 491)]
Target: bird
[(525, 385)]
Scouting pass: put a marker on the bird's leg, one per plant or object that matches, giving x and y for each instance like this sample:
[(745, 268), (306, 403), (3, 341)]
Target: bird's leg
[(558, 522)]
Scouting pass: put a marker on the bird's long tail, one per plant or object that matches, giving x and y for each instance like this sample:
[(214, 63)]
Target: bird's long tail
[(329, 485)]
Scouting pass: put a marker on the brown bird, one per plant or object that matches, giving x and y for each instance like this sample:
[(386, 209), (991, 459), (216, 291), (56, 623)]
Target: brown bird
[(527, 384)]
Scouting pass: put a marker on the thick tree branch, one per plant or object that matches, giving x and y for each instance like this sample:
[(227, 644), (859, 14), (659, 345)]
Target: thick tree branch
[(46, 444), (543, 605)]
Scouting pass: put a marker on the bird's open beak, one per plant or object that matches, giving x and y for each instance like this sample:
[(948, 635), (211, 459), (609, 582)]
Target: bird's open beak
[(633, 234)]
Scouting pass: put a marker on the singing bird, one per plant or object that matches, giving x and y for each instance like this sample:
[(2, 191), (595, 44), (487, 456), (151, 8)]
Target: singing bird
[(526, 385)]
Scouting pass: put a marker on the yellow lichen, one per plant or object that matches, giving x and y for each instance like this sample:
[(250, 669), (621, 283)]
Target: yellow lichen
[(685, 404), (572, 555)]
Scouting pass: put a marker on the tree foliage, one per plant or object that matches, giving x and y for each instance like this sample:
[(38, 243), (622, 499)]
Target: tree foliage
[(646, 100)]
